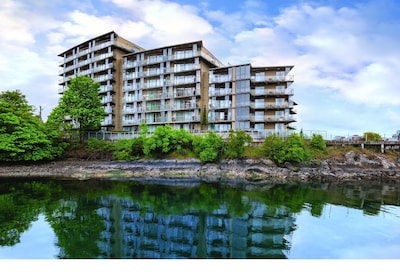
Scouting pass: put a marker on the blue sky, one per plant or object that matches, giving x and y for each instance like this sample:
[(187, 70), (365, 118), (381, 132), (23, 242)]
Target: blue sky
[(345, 53)]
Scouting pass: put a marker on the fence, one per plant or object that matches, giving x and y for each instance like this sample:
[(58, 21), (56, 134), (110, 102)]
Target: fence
[(257, 136)]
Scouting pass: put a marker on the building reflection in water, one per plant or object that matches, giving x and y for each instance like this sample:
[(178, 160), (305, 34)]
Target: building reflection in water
[(131, 233)]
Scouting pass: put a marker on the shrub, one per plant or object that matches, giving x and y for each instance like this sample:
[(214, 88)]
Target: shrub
[(372, 136), (237, 142), (317, 142), (165, 140), (209, 148), (292, 149)]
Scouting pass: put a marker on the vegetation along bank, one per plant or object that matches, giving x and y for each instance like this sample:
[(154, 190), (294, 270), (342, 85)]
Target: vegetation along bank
[(31, 147)]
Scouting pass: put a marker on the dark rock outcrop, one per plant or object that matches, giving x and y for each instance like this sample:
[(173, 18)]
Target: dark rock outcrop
[(355, 167)]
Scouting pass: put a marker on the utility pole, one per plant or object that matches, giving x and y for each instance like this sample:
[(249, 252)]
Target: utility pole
[(40, 112)]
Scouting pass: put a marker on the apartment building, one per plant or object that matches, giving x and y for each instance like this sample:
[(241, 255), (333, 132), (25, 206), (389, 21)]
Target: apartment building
[(250, 98), (101, 59), (182, 85), (166, 85)]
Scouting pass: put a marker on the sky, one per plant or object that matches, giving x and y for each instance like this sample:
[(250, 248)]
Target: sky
[(345, 53)]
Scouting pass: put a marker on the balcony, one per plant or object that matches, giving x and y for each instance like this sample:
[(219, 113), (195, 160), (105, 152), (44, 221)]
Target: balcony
[(220, 104), (219, 119), (186, 119), (131, 87), (103, 67), (273, 119), (272, 92), (188, 105), (107, 99), (129, 110), (155, 96), (105, 88), (185, 80), (108, 110), (158, 120), (131, 122), (220, 78), (272, 78), (219, 91), (107, 122), (103, 56), (186, 92), (103, 78), (157, 108), (131, 98), (102, 45)]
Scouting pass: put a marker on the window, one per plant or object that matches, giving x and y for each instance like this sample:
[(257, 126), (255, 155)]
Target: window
[(280, 101), (242, 100), (259, 103), (259, 116), (242, 125), (243, 72), (279, 126), (243, 86), (243, 113), (280, 75)]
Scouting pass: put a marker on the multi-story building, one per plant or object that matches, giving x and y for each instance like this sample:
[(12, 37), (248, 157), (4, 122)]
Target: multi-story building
[(101, 59), (182, 85), (166, 86), (250, 98)]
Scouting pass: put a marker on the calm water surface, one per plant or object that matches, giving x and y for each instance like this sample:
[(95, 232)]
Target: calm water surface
[(47, 219)]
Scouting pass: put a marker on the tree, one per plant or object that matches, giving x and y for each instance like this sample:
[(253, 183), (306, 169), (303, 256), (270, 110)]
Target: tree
[(372, 136), (209, 148), (81, 103), (204, 119), (24, 137), (237, 142)]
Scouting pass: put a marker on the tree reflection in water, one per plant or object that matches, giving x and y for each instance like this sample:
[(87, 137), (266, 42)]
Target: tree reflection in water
[(126, 219)]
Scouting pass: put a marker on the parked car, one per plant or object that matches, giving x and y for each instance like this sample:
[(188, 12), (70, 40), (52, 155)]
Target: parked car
[(339, 138), (355, 138), (396, 136)]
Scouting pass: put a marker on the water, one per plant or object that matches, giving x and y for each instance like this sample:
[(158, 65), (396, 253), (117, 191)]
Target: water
[(51, 219)]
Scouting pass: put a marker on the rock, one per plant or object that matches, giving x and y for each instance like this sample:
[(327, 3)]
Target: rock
[(235, 172)]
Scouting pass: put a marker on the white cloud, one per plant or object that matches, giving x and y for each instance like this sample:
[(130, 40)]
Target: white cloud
[(340, 49), (165, 22), (344, 58)]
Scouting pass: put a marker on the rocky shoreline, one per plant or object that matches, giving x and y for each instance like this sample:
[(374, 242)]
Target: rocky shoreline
[(354, 167)]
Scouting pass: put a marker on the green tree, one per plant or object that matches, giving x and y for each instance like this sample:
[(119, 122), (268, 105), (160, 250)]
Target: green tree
[(209, 148), (204, 118), (82, 104), (237, 142), (23, 136), (372, 136), (318, 142)]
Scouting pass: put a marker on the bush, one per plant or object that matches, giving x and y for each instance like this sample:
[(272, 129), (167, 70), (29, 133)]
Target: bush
[(292, 149), (372, 136), (273, 148), (165, 140), (99, 149), (128, 149), (209, 148), (237, 142), (317, 142)]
